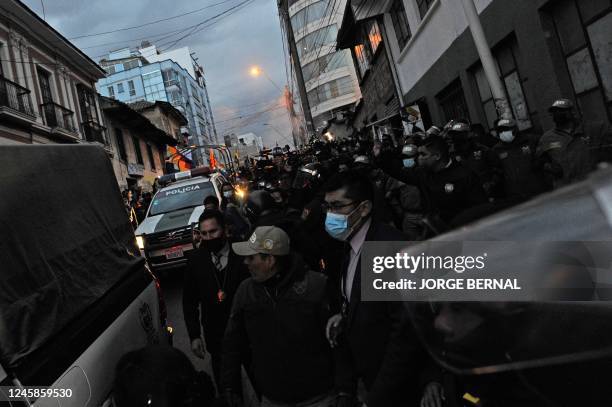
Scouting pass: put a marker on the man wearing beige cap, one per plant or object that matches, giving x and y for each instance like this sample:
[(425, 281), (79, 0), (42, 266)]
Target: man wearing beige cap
[(279, 317)]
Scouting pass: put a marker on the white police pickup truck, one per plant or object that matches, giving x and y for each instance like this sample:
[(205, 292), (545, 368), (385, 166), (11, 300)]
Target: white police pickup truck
[(165, 235)]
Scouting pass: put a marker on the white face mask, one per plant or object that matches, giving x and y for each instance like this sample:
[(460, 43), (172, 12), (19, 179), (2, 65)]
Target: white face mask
[(506, 136)]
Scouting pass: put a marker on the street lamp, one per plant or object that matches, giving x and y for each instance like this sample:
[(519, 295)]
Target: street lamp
[(256, 72)]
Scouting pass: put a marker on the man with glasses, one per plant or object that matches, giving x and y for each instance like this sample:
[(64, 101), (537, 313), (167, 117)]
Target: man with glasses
[(374, 339), (213, 275)]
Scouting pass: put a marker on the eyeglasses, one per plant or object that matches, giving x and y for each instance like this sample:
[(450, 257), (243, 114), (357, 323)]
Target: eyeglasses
[(326, 207)]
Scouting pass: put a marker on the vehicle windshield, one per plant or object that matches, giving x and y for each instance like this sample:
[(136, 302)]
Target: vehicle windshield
[(186, 196)]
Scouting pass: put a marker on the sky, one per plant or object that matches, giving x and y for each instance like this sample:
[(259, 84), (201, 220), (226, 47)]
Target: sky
[(249, 35)]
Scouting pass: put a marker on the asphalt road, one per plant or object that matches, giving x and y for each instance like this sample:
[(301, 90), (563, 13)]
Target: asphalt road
[(172, 289)]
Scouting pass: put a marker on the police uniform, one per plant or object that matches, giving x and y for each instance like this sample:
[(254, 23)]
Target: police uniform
[(567, 153), (515, 164)]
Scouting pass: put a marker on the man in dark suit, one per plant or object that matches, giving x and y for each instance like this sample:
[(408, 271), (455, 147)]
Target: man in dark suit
[(374, 340), (213, 275)]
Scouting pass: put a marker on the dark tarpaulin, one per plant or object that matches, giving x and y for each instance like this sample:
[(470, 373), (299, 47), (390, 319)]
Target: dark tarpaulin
[(65, 241)]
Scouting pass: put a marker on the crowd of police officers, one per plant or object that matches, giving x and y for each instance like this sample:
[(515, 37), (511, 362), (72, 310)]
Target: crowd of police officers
[(323, 202)]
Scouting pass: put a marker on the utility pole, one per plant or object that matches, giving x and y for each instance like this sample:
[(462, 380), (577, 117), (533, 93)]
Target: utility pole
[(488, 62), (283, 9)]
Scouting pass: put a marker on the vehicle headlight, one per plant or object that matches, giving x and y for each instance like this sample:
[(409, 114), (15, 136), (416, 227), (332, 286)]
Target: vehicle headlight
[(140, 242)]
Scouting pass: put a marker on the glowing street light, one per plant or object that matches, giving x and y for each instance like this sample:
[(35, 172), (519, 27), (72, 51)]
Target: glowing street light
[(256, 72)]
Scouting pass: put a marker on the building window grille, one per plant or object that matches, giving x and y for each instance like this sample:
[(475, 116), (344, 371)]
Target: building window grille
[(131, 88), (120, 88), (136, 143)]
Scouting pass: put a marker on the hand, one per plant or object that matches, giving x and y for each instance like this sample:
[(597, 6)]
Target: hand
[(232, 399), (376, 149), (433, 395), (197, 347), (333, 330)]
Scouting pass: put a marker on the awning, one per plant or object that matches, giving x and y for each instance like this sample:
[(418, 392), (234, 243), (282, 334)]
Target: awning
[(365, 9)]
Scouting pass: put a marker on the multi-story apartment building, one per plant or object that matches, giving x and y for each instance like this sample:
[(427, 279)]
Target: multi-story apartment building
[(328, 75), (148, 75), (543, 50), (47, 92)]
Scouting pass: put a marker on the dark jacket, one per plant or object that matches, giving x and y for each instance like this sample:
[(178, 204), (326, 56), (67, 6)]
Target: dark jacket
[(201, 289), (380, 346), (568, 155), (445, 193), (284, 329)]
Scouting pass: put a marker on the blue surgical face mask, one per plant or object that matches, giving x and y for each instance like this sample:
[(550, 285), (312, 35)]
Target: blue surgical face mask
[(506, 136), (409, 162), (339, 226)]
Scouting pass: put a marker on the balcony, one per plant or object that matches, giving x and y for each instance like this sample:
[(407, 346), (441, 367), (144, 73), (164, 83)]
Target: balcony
[(60, 119), (15, 101), (94, 132), (172, 84)]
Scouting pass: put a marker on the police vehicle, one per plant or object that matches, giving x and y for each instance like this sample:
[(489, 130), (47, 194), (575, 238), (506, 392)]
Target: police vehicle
[(165, 235)]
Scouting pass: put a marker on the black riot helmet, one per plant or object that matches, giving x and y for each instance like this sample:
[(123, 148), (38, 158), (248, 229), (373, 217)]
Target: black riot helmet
[(258, 202)]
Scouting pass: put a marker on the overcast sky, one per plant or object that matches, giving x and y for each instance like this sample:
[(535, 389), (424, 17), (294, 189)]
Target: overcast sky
[(227, 49)]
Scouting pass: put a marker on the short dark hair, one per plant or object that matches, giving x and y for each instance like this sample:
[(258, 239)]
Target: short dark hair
[(438, 145), (358, 187), (211, 199), (212, 214)]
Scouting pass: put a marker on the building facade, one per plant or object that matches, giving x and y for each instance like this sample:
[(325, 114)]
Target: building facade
[(362, 34), (543, 49), (47, 92), (328, 75), (139, 146), (133, 77)]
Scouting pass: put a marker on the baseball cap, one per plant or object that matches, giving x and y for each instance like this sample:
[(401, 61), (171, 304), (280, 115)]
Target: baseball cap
[(265, 240), (460, 127), (561, 104)]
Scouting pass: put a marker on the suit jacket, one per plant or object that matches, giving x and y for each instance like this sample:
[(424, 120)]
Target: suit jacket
[(201, 290), (380, 346)]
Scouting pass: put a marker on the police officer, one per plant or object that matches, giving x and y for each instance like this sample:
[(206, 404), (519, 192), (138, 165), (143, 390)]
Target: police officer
[(562, 151), (514, 162), (447, 187), (470, 153)]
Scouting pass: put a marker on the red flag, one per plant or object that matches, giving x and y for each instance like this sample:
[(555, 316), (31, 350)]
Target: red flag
[(213, 161)]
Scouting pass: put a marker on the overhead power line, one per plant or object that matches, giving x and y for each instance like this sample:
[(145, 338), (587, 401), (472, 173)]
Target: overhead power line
[(149, 23)]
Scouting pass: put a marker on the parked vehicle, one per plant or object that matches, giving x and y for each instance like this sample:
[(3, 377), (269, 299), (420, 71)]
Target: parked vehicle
[(75, 294)]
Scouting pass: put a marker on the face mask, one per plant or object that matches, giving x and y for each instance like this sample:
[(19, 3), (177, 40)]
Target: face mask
[(340, 226), (409, 162), (506, 136), (228, 194), (214, 245)]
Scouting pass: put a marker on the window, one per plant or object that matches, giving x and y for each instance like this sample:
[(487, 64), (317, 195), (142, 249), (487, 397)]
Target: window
[(151, 157), (154, 86), (111, 92), (374, 35), (110, 69), (309, 14), (315, 40), (424, 6), (87, 103), (330, 90), (120, 88), (400, 23), (361, 54), (131, 64), (136, 143), (120, 144), (452, 101), (131, 88), (583, 32), (327, 63), (507, 69)]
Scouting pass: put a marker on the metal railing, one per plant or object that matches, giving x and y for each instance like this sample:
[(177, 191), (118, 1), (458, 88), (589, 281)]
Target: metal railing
[(94, 132), (58, 116), (15, 96)]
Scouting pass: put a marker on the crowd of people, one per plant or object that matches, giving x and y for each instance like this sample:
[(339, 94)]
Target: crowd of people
[(274, 287)]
